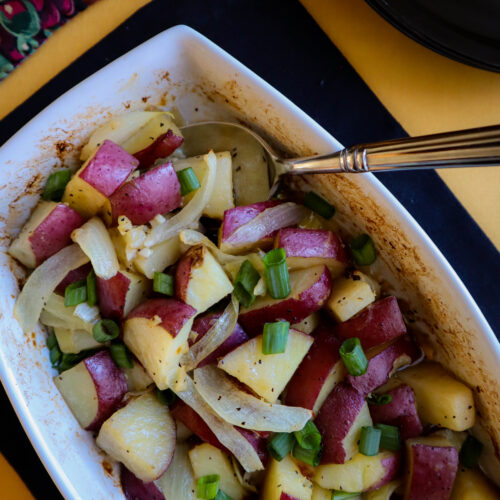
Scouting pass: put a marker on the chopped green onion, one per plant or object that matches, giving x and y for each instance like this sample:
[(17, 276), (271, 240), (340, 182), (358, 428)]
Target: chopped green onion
[(309, 437), (276, 273), (55, 185), (91, 289), (75, 293), (311, 457), (319, 205), (389, 439), (280, 445), (188, 180), (208, 486), (470, 451), (55, 355), (69, 360), (353, 356), (120, 355), (166, 397), (275, 336), (369, 442), (51, 339), (105, 330), (163, 283), (245, 282), (343, 495), (363, 250), (222, 496), (379, 399)]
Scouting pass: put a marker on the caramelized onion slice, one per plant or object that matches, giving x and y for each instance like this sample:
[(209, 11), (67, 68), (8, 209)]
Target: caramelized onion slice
[(191, 212), (242, 409), (95, 241), (218, 333), (43, 281), (268, 221), (225, 432)]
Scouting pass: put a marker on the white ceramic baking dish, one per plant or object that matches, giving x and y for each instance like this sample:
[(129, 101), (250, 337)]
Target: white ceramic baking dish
[(181, 68)]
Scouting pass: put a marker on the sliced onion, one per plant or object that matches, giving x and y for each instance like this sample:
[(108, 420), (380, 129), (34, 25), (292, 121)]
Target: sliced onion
[(178, 481), (220, 331), (225, 432), (94, 240), (241, 477), (43, 281), (191, 212), (231, 263), (268, 221), (243, 409)]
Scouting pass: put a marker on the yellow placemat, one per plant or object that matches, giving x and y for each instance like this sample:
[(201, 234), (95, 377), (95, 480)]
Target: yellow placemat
[(12, 486), (62, 48), (424, 91)]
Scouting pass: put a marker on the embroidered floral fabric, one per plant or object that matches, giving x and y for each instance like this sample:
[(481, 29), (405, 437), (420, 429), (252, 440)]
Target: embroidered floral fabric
[(26, 24)]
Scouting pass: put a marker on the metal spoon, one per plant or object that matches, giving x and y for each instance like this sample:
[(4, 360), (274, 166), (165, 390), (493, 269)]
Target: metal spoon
[(478, 147)]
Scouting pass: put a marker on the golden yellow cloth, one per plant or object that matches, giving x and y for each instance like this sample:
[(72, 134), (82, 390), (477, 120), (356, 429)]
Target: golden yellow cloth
[(12, 486), (424, 91)]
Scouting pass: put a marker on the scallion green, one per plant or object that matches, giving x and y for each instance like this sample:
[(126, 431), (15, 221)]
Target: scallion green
[(389, 439), (280, 445), (275, 337), (207, 486), (311, 457), (55, 185), (369, 442), (105, 330), (276, 274), (309, 437), (120, 355), (470, 452), (379, 399), (163, 283), (363, 250), (188, 181), (319, 205), (353, 356), (75, 293), (166, 397), (245, 282), (222, 496), (91, 289)]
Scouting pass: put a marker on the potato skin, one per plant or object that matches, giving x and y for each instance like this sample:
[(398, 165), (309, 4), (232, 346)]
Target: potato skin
[(378, 323), (135, 489), (154, 192)]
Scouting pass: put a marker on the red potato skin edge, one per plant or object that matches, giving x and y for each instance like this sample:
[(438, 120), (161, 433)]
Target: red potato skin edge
[(191, 259), (162, 147), (307, 381), (156, 191), (201, 326), (335, 419), (78, 274), (299, 242), (109, 168), (434, 471), (112, 295), (172, 313), (54, 232), (110, 384), (380, 367), (135, 489), (237, 216), (380, 322), (292, 310), (185, 414), (400, 412), (392, 466), (286, 496)]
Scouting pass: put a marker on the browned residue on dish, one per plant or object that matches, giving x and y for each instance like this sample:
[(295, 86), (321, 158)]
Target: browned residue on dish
[(108, 468)]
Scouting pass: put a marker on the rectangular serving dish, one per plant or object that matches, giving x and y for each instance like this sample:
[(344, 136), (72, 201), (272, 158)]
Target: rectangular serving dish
[(181, 68)]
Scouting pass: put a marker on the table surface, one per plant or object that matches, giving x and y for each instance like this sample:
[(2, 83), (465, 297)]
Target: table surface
[(287, 48)]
